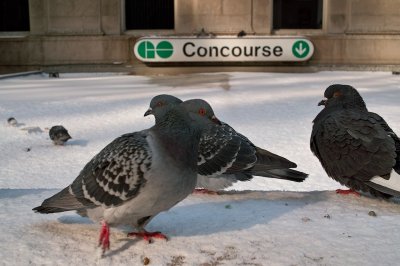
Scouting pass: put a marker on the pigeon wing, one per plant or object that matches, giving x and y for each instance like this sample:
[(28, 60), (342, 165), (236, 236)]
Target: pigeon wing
[(117, 173), (391, 134), (246, 156), (353, 145), (218, 150)]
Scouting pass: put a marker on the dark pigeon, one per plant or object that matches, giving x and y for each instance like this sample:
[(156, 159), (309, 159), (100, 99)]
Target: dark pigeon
[(59, 135), (12, 121), (356, 147), (136, 176), (241, 33)]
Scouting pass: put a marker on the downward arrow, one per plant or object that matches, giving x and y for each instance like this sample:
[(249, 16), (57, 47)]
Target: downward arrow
[(300, 50)]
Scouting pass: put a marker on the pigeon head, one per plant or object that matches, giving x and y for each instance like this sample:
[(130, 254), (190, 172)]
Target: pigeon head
[(161, 103), (201, 108), (344, 96)]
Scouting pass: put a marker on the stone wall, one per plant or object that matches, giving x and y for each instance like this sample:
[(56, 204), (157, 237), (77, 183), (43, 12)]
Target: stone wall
[(374, 16), (75, 17), (68, 32)]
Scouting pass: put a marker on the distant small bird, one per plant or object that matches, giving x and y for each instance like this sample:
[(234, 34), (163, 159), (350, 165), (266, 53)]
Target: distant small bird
[(54, 75), (136, 176), (356, 147), (59, 135), (204, 33), (12, 122), (241, 33)]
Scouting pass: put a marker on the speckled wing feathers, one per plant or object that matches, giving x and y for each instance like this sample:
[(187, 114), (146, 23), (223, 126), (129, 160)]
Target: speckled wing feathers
[(117, 173), (227, 154), (217, 151), (246, 156)]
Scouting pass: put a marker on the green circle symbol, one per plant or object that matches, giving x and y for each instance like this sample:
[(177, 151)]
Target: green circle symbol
[(146, 49), (300, 49), (164, 49)]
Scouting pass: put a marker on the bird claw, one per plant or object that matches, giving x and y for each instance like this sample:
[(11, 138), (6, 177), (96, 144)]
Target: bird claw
[(347, 192), (104, 239), (148, 236)]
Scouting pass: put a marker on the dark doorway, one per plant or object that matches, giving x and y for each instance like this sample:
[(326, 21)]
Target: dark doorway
[(149, 14), (297, 14), (14, 15)]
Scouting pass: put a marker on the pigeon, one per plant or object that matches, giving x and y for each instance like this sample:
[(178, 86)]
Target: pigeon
[(204, 33), (54, 75), (241, 33), (217, 171), (356, 147), (12, 122), (59, 135), (136, 176)]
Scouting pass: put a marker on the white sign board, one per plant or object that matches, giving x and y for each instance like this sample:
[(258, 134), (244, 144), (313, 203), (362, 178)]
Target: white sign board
[(223, 49)]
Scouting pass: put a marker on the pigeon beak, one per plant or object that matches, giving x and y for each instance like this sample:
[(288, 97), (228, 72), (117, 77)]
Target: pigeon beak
[(148, 112), (216, 120), (323, 102)]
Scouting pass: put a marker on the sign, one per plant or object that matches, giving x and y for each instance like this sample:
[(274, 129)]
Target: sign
[(223, 49)]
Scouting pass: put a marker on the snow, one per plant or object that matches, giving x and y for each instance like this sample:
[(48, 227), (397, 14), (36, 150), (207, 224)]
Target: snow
[(260, 222)]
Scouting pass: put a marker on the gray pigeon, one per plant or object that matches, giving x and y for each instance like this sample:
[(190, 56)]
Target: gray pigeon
[(357, 148), (204, 33), (136, 176), (226, 156), (59, 135)]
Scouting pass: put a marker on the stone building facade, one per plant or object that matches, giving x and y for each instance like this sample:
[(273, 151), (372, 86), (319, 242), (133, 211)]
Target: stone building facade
[(362, 34)]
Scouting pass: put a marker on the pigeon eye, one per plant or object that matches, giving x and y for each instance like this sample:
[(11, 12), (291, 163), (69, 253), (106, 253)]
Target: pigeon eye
[(337, 94), (202, 111), (159, 104)]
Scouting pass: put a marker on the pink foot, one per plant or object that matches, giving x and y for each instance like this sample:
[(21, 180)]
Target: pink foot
[(347, 192), (104, 240), (204, 191), (148, 236)]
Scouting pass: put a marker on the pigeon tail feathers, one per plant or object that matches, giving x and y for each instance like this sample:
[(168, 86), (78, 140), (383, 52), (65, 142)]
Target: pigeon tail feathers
[(285, 174), (389, 186), (61, 202), (267, 160)]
